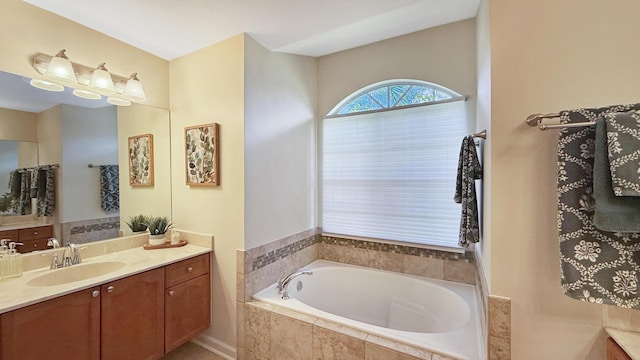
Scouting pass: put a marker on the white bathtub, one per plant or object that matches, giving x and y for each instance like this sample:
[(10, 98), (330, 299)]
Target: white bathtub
[(434, 314)]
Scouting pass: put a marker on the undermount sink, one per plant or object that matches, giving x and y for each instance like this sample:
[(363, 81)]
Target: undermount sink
[(75, 273)]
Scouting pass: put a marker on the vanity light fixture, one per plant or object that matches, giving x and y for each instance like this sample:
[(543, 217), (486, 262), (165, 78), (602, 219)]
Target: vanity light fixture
[(86, 94), (46, 85), (101, 81), (87, 82), (133, 90), (61, 70)]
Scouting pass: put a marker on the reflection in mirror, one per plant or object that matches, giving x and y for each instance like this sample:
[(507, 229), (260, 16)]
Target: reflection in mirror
[(74, 133), (14, 155)]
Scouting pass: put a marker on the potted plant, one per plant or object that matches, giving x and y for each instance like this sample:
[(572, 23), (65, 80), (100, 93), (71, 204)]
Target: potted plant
[(137, 223), (158, 227)]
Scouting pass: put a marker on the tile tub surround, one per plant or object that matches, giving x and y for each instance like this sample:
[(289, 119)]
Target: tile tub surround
[(85, 231), (274, 333), (15, 293), (499, 328), (262, 266)]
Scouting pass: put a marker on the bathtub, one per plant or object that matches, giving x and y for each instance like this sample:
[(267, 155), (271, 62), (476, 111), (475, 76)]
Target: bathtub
[(434, 314)]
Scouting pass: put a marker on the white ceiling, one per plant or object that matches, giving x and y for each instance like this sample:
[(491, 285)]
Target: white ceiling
[(172, 28)]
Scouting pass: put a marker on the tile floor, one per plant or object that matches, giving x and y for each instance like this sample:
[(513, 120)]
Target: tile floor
[(191, 351)]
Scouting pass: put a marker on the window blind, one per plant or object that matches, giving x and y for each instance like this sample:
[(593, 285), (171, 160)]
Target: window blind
[(391, 175)]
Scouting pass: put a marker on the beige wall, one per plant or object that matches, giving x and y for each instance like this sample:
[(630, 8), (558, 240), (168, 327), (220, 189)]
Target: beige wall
[(18, 125), (279, 143), (545, 57), (26, 30), (207, 86)]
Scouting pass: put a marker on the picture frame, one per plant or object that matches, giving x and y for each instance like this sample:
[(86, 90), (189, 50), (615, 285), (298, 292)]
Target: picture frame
[(141, 160), (202, 154)]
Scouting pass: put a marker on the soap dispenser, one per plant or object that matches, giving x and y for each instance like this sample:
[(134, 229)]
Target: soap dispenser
[(15, 261), (4, 257)]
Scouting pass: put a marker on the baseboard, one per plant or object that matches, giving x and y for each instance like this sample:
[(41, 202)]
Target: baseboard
[(216, 346)]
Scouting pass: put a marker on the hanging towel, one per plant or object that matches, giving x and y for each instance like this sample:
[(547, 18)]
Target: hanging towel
[(15, 184), (611, 212), (109, 188), (33, 191), (24, 199), (623, 136), (596, 266), (46, 190), (469, 170)]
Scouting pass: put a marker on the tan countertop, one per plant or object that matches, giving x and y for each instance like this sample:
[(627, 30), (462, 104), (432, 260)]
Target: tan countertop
[(629, 341), (15, 293), (25, 225)]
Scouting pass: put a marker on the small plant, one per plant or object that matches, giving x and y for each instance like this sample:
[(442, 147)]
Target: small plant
[(138, 223), (159, 225)]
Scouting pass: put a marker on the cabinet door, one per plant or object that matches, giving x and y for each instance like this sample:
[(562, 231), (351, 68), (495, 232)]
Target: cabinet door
[(188, 311), (63, 328), (615, 352), (132, 317)]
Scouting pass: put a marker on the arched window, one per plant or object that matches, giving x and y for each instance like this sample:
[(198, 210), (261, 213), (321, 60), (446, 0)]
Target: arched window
[(390, 155)]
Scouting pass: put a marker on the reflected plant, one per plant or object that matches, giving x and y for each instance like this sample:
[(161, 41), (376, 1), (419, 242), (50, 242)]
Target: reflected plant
[(137, 223)]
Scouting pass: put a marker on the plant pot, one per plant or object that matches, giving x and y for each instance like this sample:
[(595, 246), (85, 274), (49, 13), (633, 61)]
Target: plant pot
[(155, 240)]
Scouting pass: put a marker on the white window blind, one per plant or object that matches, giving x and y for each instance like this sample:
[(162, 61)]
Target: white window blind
[(391, 175)]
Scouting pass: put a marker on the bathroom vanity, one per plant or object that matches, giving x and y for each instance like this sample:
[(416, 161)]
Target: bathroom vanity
[(32, 236), (156, 301)]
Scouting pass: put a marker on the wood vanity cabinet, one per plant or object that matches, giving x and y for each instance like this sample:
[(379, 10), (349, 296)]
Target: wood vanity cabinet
[(32, 238), (615, 352), (132, 317), (67, 327), (187, 300)]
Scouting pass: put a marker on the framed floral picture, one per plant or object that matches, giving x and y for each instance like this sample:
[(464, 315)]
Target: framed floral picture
[(202, 155), (141, 160)]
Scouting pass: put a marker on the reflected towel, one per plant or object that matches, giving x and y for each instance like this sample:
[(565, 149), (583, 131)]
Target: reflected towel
[(24, 200), (109, 188), (469, 170), (623, 138), (611, 212), (596, 266)]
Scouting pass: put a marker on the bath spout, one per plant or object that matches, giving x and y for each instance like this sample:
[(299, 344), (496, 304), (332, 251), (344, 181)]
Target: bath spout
[(283, 283)]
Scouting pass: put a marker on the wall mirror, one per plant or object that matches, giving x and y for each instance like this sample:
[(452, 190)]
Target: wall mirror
[(39, 128)]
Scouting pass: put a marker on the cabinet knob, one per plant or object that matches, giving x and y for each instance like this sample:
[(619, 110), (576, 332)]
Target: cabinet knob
[(95, 293), (189, 269), (35, 245), (110, 288), (35, 233), (171, 292)]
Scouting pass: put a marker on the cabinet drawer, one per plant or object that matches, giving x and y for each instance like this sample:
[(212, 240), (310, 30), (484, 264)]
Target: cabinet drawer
[(39, 232), (33, 245), (9, 234), (186, 270)]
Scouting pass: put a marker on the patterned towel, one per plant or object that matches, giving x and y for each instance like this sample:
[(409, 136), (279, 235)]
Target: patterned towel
[(469, 170), (109, 188), (623, 137), (46, 189), (597, 266), (24, 200)]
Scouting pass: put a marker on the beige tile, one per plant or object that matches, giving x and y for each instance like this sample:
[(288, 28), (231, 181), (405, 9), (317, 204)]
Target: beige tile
[(500, 317), (344, 254), (386, 260), (424, 266), (191, 351), (248, 286), (257, 331), (290, 338), (376, 352), (410, 352), (460, 271), (499, 349), (240, 288), (240, 324), (240, 354), (240, 259), (265, 276), (332, 341)]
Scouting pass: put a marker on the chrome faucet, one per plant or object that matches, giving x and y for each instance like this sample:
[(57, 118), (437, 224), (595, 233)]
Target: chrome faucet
[(53, 242), (284, 282), (73, 257)]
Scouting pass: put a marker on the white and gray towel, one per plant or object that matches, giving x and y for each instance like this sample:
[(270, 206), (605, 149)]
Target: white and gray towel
[(469, 170)]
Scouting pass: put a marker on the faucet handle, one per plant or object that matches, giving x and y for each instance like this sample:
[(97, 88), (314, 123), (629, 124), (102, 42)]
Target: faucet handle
[(55, 262)]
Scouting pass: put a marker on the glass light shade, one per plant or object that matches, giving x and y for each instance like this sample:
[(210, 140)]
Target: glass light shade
[(133, 90), (117, 101), (46, 85), (86, 94), (61, 70), (101, 81)]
